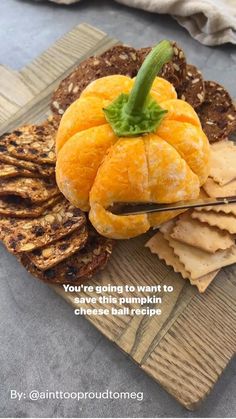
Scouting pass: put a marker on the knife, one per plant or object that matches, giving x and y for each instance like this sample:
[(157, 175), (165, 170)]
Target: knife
[(129, 208)]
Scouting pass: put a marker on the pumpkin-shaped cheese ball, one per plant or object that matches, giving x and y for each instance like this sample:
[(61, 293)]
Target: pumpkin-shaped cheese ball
[(128, 140)]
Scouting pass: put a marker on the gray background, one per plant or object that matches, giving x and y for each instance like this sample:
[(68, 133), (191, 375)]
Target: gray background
[(43, 345)]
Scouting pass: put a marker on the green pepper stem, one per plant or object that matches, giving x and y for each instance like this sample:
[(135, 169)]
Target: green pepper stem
[(152, 65), (137, 113)]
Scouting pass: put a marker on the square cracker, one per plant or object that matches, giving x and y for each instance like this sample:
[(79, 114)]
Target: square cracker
[(220, 220), (15, 206), (223, 158), (9, 170), (160, 246), (198, 262), (34, 143), (214, 190), (36, 190), (225, 208), (195, 233), (26, 235), (54, 253)]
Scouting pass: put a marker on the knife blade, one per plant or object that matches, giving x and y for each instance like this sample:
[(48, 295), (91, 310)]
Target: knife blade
[(129, 208)]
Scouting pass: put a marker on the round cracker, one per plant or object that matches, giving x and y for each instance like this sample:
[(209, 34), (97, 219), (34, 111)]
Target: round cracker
[(123, 59), (174, 71), (192, 89), (217, 114), (117, 60)]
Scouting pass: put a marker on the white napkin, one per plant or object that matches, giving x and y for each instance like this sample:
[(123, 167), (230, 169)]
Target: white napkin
[(211, 22)]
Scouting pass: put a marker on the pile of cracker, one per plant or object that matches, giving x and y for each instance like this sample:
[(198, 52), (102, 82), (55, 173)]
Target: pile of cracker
[(200, 242), (211, 101), (48, 235)]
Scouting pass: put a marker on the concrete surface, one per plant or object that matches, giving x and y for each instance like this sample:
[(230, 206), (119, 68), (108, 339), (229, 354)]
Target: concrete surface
[(43, 345)]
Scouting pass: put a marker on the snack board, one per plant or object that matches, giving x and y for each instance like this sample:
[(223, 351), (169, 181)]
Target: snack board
[(189, 345)]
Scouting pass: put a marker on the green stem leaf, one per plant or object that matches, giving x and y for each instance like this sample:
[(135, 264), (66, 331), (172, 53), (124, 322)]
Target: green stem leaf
[(137, 113)]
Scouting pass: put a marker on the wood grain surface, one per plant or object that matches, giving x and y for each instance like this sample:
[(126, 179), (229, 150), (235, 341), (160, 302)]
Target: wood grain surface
[(186, 348)]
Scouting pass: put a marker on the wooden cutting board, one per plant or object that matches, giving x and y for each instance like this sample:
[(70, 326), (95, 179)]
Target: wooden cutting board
[(185, 349)]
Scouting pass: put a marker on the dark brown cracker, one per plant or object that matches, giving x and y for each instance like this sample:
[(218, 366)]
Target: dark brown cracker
[(43, 170), (175, 70), (77, 268), (36, 190), (217, 113), (192, 89), (54, 253), (123, 59), (15, 206), (29, 234), (72, 86), (9, 170), (119, 59), (34, 143)]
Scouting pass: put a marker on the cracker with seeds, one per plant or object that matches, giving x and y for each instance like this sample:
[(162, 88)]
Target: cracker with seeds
[(214, 190), (175, 70), (36, 190), (217, 114), (119, 59), (222, 221), (42, 170), (77, 268), (17, 207), (198, 234), (56, 222), (124, 59), (192, 89), (160, 246), (46, 257), (35, 143), (9, 170), (223, 162)]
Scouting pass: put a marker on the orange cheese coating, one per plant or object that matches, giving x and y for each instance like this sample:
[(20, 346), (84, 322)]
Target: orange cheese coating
[(95, 168)]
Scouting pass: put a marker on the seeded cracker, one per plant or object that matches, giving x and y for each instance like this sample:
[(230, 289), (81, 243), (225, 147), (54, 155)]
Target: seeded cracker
[(175, 70), (77, 268), (123, 58), (201, 235), (36, 190), (17, 207), (49, 256), (217, 113), (9, 170), (192, 89), (27, 235), (119, 59), (43, 170), (34, 143)]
